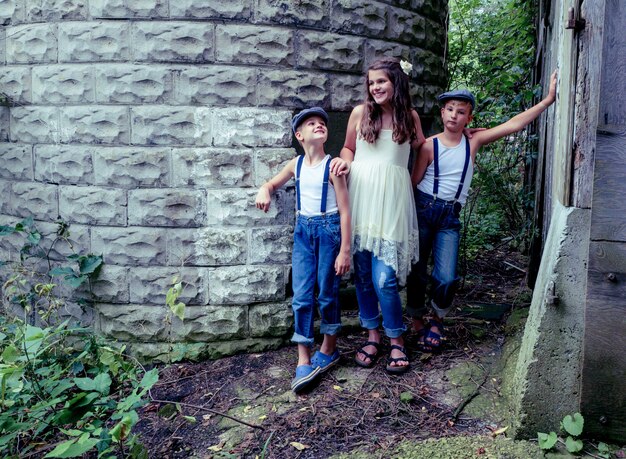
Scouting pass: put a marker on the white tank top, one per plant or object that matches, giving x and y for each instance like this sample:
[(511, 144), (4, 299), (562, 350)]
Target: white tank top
[(311, 181), (451, 162)]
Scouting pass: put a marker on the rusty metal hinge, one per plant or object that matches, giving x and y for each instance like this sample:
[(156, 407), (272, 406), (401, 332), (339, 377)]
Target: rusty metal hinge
[(573, 22)]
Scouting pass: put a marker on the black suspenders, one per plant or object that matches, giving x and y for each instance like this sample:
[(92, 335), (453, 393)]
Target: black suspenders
[(468, 157), (324, 184)]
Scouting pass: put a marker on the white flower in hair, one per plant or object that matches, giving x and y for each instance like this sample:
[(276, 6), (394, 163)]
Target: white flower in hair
[(406, 66)]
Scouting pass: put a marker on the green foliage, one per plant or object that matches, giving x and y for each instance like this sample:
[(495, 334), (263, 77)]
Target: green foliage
[(63, 392), (573, 426), (491, 52)]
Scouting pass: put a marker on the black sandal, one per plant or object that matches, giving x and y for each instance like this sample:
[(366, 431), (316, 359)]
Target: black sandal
[(372, 357), (397, 369)]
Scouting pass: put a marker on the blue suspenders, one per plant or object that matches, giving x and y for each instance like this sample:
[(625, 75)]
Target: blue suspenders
[(324, 184), (468, 156)]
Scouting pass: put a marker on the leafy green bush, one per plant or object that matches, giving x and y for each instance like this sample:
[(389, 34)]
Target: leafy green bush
[(63, 391), (491, 52)]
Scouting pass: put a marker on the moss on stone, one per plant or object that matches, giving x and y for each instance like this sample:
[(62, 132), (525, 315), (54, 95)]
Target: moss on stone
[(456, 448)]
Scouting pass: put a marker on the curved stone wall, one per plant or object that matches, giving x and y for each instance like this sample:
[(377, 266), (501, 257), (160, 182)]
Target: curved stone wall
[(149, 124)]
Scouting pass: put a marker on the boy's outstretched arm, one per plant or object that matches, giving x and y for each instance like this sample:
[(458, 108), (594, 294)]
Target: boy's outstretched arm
[(518, 122), (342, 262), (264, 196)]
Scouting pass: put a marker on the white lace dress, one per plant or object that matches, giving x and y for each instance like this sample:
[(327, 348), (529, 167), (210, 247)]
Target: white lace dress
[(384, 221)]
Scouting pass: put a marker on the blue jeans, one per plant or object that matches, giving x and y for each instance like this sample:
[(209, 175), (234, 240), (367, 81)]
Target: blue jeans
[(316, 242), (376, 283), (440, 229)]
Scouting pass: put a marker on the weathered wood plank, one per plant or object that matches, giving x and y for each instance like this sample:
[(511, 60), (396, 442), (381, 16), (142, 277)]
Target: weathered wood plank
[(613, 94), (608, 212), (590, 46), (603, 396)]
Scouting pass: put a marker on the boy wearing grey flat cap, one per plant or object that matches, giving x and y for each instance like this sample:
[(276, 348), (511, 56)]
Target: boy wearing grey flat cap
[(441, 179), (321, 248)]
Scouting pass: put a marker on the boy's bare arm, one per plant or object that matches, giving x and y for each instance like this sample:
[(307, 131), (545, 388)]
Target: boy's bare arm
[(518, 122), (342, 262), (424, 158), (264, 196)]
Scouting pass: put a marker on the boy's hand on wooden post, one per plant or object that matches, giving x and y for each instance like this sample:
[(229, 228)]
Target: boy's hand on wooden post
[(551, 97), (263, 199), (342, 263)]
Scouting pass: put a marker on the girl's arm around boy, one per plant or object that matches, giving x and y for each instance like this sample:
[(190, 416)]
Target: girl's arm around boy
[(342, 262)]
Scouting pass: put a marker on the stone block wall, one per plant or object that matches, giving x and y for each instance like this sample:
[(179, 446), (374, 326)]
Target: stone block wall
[(148, 125)]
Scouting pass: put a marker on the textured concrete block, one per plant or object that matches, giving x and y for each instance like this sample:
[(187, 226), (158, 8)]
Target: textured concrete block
[(430, 67), (435, 40), (147, 323), (16, 161), (271, 245), (209, 323), (4, 124), (130, 246), (63, 84), (172, 41), (160, 207), (124, 9), (112, 285), (11, 12), (94, 41), (269, 162), (93, 205), (312, 13), (56, 10), (247, 44), (246, 284), (15, 83), (359, 18), (347, 91), (37, 200), (96, 124), (211, 167), (287, 88), (251, 127), (431, 106), (34, 124), (63, 164), (150, 285), (207, 247), (157, 125), (323, 50), (31, 43), (236, 207), (133, 84), (131, 322), (405, 26), (376, 49), (201, 9), (215, 85), (74, 239), (132, 167), (274, 319)]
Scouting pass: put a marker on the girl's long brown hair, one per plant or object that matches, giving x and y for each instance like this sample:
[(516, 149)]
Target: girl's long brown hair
[(372, 121)]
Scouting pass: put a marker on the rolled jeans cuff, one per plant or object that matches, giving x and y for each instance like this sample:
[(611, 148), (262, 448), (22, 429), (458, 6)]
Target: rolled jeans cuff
[(394, 332), (370, 324), (299, 339), (330, 329)]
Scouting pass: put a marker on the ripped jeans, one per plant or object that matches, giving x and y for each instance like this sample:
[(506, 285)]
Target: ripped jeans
[(376, 283)]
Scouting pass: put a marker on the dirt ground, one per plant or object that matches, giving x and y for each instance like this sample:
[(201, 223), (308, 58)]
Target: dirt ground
[(351, 408)]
